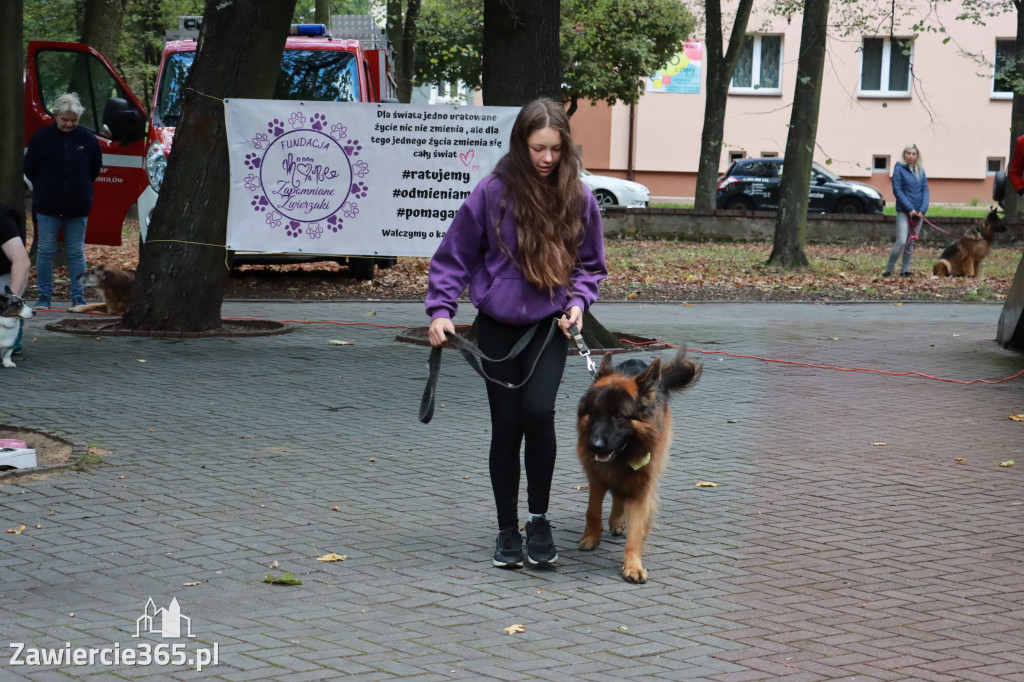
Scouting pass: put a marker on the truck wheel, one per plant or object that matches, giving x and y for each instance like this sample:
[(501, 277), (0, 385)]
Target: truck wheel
[(361, 267)]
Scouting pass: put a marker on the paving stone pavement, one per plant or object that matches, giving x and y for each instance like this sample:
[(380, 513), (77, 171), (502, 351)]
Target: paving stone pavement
[(821, 555)]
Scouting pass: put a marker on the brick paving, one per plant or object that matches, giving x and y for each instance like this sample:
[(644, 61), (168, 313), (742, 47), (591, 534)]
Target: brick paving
[(820, 556)]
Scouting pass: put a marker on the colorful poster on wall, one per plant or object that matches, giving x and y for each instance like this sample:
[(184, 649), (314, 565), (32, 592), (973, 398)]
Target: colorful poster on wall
[(682, 73)]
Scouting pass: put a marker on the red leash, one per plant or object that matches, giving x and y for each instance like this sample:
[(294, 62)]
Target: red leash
[(937, 227)]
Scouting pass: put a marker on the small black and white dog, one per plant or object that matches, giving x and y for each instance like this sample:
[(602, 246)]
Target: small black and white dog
[(12, 311)]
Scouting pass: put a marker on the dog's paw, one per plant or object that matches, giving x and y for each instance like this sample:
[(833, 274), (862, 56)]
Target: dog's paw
[(76, 309), (588, 543), (8, 364), (636, 575), (617, 526)]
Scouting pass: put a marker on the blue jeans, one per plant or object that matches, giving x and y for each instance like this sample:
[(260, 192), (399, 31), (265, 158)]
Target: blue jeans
[(902, 247), (48, 227)]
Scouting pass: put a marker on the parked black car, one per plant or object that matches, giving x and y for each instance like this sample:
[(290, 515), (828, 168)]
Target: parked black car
[(753, 185)]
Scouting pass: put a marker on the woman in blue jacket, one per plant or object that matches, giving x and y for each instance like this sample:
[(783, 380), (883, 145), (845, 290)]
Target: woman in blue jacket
[(910, 185), (528, 241), (62, 162)]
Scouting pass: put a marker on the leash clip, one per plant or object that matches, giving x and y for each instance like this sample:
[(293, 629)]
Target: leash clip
[(581, 346)]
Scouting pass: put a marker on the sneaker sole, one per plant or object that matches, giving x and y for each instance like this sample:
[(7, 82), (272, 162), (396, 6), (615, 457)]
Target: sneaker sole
[(504, 564), (534, 562)]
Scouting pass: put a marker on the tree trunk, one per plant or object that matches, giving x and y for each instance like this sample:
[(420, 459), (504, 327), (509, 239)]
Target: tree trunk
[(179, 285), (102, 26), (720, 72), (521, 51), (402, 34), (791, 219), (322, 12), (12, 120)]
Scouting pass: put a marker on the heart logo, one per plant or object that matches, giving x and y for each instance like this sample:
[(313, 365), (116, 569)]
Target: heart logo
[(476, 167), (467, 157), (304, 170)]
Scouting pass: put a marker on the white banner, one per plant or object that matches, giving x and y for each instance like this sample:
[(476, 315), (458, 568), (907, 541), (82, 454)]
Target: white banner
[(346, 178)]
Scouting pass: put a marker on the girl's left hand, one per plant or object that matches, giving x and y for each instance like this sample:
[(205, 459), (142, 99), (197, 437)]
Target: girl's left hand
[(575, 318)]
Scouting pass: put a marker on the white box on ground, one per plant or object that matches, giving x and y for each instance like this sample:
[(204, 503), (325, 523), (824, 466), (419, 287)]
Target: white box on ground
[(17, 458)]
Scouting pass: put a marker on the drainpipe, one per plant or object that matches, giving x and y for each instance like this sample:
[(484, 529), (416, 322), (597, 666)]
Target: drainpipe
[(632, 135)]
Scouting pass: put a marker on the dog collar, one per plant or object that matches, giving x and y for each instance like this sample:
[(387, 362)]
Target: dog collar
[(641, 463)]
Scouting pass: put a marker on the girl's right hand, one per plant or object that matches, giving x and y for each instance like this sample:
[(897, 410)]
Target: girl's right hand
[(438, 326)]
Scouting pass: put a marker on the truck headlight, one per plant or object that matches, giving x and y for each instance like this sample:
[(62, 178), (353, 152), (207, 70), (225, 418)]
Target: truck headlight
[(156, 165)]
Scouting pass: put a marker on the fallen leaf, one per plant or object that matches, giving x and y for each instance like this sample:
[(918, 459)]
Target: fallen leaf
[(961, 460), (583, 487), (140, 361), (732, 421), (1007, 463), (706, 484), (623, 628), (370, 314), (1017, 417), (286, 579), (833, 338), (335, 508), (513, 629), (332, 557), (275, 565), (880, 444), (373, 459), (18, 530), (335, 342), (191, 584)]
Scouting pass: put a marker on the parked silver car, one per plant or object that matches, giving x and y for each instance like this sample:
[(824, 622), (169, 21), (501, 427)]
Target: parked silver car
[(615, 191)]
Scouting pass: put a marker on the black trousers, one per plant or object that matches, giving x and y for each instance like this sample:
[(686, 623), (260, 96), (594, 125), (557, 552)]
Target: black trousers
[(523, 413)]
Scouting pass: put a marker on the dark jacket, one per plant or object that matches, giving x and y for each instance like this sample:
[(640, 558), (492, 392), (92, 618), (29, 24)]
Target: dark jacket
[(470, 253), (62, 167), (911, 190)]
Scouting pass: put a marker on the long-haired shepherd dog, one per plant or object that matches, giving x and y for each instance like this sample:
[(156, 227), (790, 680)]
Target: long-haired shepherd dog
[(12, 311), (115, 285), (625, 429), (963, 257)]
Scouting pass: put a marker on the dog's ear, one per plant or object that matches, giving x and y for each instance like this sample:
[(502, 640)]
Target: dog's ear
[(606, 366), (7, 290), (647, 383)]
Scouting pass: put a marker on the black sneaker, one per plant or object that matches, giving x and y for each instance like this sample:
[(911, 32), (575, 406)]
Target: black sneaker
[(887, 273), (540, 548), (905, 274), (508, 551)]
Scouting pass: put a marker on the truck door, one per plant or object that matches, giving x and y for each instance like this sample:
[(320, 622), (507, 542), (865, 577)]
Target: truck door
[(112, 113)]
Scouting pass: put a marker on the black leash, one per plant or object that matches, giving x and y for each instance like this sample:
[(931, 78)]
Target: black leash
[(475, 357)]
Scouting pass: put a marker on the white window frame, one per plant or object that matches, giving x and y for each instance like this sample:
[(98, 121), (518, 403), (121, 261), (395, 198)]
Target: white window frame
[(996, 94), (755, 68), (884, 91), (1002, 165), (884, 157)]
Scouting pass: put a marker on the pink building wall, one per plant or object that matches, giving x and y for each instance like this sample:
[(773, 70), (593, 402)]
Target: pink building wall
[(951, 114)]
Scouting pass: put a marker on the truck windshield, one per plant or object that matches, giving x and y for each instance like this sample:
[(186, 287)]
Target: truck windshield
[(316, 75)]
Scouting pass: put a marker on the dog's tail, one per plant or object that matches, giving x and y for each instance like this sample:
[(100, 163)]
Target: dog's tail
[(679, 373), (942, 268)]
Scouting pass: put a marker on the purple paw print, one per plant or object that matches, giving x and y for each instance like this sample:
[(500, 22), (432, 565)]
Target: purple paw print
[(334, 223), (274, 219), (275, 127), (314, 231), (297, 120), (259, 204), (253, 161), (339, 131), (361, 169), (317, 121), (252, 183), (359, 190), (353, 148), (260, 141), (293, 228), (351, 209)]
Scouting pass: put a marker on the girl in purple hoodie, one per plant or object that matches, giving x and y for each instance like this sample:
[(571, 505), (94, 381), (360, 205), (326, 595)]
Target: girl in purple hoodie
[(529, 244)]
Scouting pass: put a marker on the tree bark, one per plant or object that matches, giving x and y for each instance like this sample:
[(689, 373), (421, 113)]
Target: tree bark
[(102, 26), (401, 31), (521, 51), (179, 285), (12, 118), (720, 71), (791, 219), (322, 12)]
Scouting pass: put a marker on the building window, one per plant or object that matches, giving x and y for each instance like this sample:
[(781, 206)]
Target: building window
[(769, 155), (736, 156), (880, 164), (758, 71), (1002, 78), (994, 165), (886, 65)]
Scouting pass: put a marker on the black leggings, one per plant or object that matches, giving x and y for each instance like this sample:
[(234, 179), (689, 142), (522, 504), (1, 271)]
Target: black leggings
[(528, 411)]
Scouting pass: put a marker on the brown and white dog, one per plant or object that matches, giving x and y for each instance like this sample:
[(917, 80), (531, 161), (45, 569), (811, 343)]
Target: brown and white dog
[(115, 285), (963, 257), (12, 311)]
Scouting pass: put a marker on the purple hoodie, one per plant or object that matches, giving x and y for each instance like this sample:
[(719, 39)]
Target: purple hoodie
[(470, 254)]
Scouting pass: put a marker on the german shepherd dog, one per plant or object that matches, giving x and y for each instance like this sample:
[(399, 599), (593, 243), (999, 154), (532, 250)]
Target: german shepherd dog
[(115, 285), (12, 311), (963, 257), (625, 429)]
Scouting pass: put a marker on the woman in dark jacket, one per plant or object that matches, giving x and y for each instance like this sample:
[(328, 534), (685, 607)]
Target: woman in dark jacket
[(910, 185), (62, 162)]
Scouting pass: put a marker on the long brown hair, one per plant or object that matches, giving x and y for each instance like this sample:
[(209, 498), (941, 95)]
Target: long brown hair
[(546, 209)]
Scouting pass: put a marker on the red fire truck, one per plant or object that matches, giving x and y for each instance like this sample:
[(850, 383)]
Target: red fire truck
[(315, 66)]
